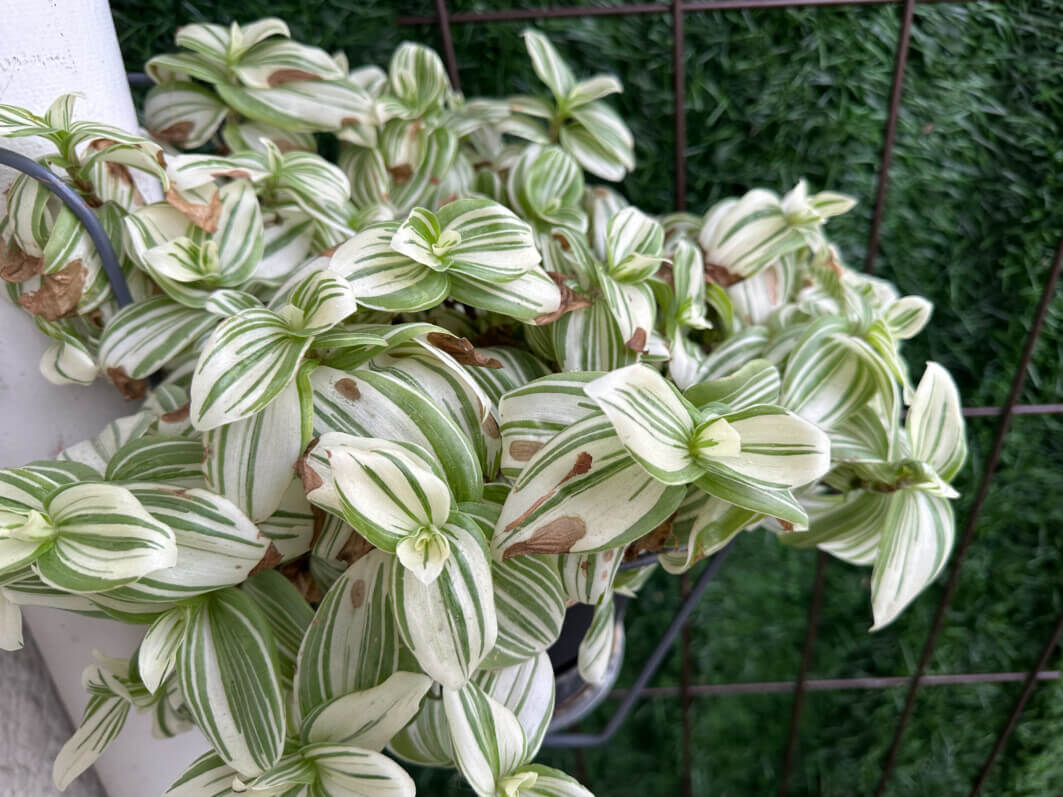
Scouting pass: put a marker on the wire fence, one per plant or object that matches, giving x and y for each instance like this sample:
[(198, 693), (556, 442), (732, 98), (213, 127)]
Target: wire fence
[(1005, 412)]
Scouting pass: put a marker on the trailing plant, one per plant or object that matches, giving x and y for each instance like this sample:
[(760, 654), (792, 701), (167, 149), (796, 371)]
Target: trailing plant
[(400, 410)]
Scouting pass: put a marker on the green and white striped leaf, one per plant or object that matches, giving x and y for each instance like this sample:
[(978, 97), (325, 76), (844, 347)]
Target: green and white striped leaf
[(351, 772), (530, 603), (545, 186), (301, 105), (526, 689), (704, 525), (762, 498), (185, 114), (251, 461), (600, 141), (548, 782), (778, 448), (651, 419), (352, 643), (916, 542), (848, 526), (529, 298), (142, 337), (103, 719), (582, 491), (449, 625), (229, 674), (104, 538), (744, 235), (367, 403), (175, 460), (549, 65), (633, 308), (935, 423), (249, 359), (157, 654), (488, 740), (597, 646), (276, 61), (207, 775), (287, 613), (907, 316), (384, 279), (417, 78), (756, 382), (586, 577), (369, 718), (634, 244), (426, 740)]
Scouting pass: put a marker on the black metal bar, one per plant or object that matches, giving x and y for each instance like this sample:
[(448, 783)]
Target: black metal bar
[(70, 198), (686, 786), (903, 39), (814, 609), (1027, 689), (448, 43), (679, 88), (139, 80), (976, 509), (632, 9), (1018, 409), (836, 684), (649, 669)]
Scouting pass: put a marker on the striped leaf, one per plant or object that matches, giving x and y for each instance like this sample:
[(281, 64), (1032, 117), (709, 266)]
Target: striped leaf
[(599, 140), (549, 782), (633, 307), (777, 448), (735, 352), (367, 403), (763, 498), (68, 361), (634, 244), (352, 643), (175, 460), (368, 718), (207, 775), (526, 689), (596, 649), (530, 603), (417, 78), (744, 235), (848, 526), (582, 491), (384, 279), (588, 339), (229, 675), (426, 740), (529, 298), (546, 186), (756, 382), (488, 740), (183, 113), (217, 546), (586, 577), (549, 65), (291, 528), (300, 105), (251, 461), (449, 625), (935, 423), (591, 89), (103, 538), (907, 317), (103, 719), (916, 541), (703, 525), (477, 238), (275, 61), (343, 770), (287, 613), (142, 337), (249, 359), (157, 654), (652, 420), (688, 276)]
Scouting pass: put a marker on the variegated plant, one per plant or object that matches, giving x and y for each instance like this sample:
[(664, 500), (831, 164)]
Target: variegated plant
[(399, 412)]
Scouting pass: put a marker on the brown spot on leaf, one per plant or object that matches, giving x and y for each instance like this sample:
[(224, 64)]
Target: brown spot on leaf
[(177, 415), (309, 477), (16, 265), (236, 174), (562, 241), (177, 133), (330, 251), (462, 350), (358, 593), (720, 275), (787, 526), (583, 464), (523, 450), (401, 174), (348, 388), (607, 556), (59, 293), (282, 76), (205, 217), (557, 536), (132, 389), (298, 573), (637, 342), (585, 565), (656, 540), (355, 548), (570, 300), (490, 427), (269, 560), (349, 121), (771, 282)]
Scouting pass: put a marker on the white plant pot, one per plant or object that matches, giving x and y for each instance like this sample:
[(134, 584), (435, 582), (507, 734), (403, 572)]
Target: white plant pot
[(47, 48)]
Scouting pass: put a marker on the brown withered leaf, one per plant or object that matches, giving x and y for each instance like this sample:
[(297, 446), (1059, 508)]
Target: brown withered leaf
[(203, 216), (132, 389), (570, 300), (177, 415), (355, 548), (462, 350), (298, 573), (311, 481), (269, 560), (282, 76), (59, 293), (656, 540), (637, 342), (401, 174), (16, 265), (720, 275), (177, 133)]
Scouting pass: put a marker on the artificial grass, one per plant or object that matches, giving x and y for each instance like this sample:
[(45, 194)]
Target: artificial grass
[(971, 223)]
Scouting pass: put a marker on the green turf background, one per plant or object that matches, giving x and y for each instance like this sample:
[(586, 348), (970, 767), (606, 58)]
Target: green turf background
[(972, 219)]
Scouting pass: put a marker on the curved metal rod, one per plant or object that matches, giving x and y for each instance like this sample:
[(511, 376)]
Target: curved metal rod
[(649, 669), (46, 177)]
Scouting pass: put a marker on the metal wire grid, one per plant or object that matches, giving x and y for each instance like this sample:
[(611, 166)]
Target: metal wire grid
[(677, 9), (678, 624)]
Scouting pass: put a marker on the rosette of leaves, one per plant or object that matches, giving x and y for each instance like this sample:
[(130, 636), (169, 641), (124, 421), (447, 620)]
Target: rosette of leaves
[(408, 408)]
